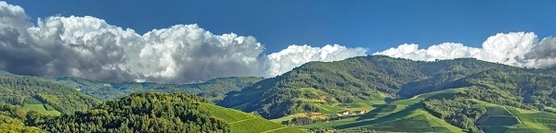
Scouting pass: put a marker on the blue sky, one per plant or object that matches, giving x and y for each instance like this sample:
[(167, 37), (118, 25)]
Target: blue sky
[(376, 25), (89, 39)]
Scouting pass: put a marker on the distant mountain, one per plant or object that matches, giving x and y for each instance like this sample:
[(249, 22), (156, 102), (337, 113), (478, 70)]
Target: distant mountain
[(4, 72), (45, 97), (214, 89), (159, 112)]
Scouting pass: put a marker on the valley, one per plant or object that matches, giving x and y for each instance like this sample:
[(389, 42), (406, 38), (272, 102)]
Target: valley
[(360, 94)]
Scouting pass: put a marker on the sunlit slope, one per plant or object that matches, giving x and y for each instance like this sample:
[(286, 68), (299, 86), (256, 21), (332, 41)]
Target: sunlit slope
[(410, 115), (242, 122), (515, 120), (396, 116)]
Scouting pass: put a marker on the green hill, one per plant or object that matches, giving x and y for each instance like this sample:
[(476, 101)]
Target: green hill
[(408, 115), (159, 112), (524, 88), (214, 89), (413, 115), (318, 92), (370, 78)]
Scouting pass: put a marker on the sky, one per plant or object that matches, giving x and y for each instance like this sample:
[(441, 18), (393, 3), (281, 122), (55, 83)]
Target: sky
[(376, 25), (190, 41)]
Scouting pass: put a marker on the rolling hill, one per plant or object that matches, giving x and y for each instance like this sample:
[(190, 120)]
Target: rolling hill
[(31, 104), (360, 94)]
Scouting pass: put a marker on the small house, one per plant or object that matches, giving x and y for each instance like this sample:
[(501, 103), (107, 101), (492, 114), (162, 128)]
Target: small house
[(345, 112)]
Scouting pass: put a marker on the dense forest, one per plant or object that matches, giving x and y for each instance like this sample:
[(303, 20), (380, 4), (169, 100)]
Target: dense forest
[(524, 88), (12, 119), (458, 111), (141, 112)]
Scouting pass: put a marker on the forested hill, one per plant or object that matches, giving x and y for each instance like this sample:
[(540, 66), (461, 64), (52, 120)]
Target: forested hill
[(524, 88), (161, 112), (213, 90), (22, 97), (141, 112), (377, 78)]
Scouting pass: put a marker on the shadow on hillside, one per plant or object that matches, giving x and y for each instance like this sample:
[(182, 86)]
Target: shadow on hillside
[(373, 113)]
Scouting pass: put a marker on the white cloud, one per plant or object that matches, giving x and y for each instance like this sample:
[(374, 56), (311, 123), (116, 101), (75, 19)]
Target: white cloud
[(296, 55), (88, 47), (440, 51), (516, 49)]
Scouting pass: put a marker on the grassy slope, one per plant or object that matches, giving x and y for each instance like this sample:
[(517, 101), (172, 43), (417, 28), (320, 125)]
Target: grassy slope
[(330, 108), (389, 117), (396, 116), (515, 120), (41, 109), (241, 122)]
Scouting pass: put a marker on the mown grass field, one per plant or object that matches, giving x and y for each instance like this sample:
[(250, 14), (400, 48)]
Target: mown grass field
[(41, 109), (241, 122)]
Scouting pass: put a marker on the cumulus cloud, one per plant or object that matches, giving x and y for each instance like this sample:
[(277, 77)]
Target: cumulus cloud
[(88, 47), (440, 51), (296, 55), (516, 48)]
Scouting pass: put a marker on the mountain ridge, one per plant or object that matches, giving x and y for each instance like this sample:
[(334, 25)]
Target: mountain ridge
[(365, 78)]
